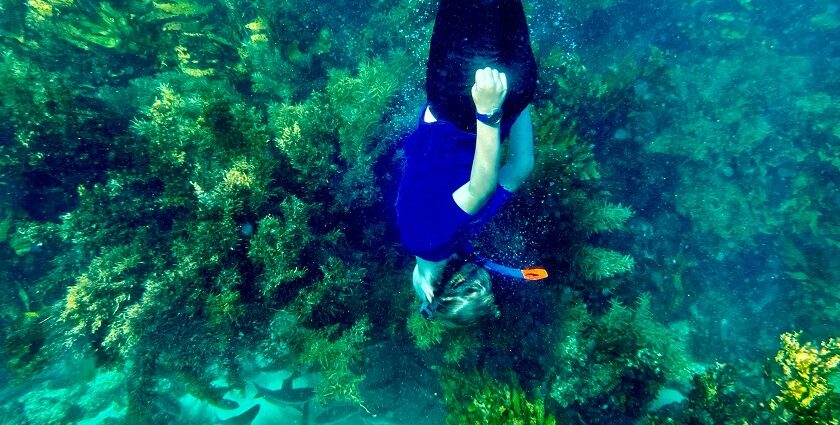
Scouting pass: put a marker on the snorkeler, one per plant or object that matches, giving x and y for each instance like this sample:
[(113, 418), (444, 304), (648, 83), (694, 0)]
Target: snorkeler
[(480, 78)]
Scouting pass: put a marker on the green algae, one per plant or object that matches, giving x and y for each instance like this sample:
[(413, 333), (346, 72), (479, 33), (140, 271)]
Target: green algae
[(222, 171)]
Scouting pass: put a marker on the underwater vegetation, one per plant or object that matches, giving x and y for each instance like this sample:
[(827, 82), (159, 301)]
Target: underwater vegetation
[(807, 396), (196, 212), (194, 194), (625, 351), (489, 401), (720, 395)]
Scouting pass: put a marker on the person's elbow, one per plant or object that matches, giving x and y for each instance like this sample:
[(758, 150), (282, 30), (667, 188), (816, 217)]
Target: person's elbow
[(473, 195), (517, 173), (482, 190)]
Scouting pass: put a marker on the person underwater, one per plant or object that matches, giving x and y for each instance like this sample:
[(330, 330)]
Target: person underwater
[(480, 79)]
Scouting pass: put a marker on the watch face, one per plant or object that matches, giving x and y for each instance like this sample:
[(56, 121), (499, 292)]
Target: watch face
[(495, 117)]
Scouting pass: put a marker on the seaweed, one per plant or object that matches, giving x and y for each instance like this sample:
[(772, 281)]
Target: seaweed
[(628, 356), (475, 397), (191, 188), (807, 395)]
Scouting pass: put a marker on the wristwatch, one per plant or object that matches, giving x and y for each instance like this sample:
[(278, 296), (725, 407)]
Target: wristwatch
[(492, 119)]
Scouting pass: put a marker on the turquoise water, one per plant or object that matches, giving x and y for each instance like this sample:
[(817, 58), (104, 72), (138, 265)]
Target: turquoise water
[(196, 199)]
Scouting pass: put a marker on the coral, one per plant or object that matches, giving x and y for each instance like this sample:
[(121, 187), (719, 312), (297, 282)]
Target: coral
[(477, 398), (807, 396)]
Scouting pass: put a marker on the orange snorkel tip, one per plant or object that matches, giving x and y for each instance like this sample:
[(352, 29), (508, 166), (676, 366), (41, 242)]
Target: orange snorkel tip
[(534, 273)]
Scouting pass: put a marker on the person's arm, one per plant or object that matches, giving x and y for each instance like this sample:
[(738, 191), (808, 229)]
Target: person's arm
[(520, 158), (488, 94)]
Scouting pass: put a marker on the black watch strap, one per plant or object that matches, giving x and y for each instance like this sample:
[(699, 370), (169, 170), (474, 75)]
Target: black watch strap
[(491, 119)]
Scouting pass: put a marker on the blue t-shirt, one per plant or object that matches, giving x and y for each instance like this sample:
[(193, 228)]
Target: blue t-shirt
[(439, 160)]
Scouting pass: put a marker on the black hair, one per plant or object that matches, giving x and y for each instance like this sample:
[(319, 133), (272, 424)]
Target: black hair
[(473, 34)]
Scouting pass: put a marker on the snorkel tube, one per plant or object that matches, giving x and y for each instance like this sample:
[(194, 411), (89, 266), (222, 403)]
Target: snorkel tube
[(528, 273)]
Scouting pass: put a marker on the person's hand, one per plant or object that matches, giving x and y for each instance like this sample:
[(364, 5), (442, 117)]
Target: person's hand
[(489, 90), (424, 289)]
